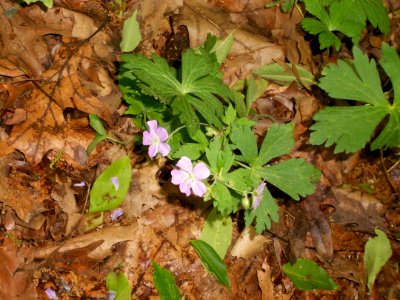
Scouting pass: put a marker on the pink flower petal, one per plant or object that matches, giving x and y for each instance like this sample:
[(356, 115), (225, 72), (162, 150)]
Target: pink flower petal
[(185, 188), (199, 189), (147, 138), (162, 134), (164, 149), (201, 171), (153, 150), (178, 176), (115, 182), (152, 125), (185, 164)]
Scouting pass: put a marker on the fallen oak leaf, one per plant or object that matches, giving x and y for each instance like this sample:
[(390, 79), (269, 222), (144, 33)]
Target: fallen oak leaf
[(46, 128)]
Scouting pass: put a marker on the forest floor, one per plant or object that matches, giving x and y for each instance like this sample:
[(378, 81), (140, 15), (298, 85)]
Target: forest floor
[(58, 65)]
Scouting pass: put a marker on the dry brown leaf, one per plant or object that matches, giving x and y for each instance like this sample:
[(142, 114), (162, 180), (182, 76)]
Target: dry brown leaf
[(110, 236), (14, 281), (46, 128), (145, 191), (358, 210), (249, 244), (15, 117), (265, 282), (64, 196), (249, 51)]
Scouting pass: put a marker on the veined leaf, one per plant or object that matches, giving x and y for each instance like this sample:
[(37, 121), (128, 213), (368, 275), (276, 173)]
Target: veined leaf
[(351, 127), (224, 201), (278, 141), (217, 232), (307, 275), (377, 253), (245, 140), (96, 124), (196, 92), (293, 176), (110, 188), (164, 282), (211, 261)]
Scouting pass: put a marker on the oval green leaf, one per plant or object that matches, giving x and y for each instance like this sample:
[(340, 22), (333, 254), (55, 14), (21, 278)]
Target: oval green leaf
[(307, 275), (105, 195), (211, 261), (131, 35), (119, 284), (217, 232), (165, 284)]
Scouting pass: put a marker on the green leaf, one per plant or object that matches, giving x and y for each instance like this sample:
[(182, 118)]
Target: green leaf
[(217, 232), (377, 253), (191, 150), (96, 124), (211, 261), (293, 176), (222, 47), (245, 140), (338, 19), (229, 116), (198, 92), (266, 211), (47, 3), (278, 141), (224, 202), (164, 282), (103, 195), (97, 139), (131, 35), (255, 89), (285, 76), (352, 127), (119, 284), (240, 180), (307, 275)]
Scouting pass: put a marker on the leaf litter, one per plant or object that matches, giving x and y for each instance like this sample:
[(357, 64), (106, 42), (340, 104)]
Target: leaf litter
[(58, 66)]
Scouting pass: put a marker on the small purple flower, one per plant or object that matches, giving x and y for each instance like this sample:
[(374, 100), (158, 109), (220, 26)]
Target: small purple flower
[(155, 138), (51, 294), (80, 184), (189, 178), (258, 195), (115, 182), (111, 294), (116, 213)]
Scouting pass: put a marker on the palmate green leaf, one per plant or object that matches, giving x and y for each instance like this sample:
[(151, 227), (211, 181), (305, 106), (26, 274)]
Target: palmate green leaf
[(377, 253), (220, 157), (131, 35), (196, 92), (119, 284), (103, 195), (294, 177), (255, 88), (245, 140), (165, 283), (352, 127), (191, 150), (336, 20), (211, 261), (217, 232), (373, 10), (349, 127), (266, 212), (278, 141), (241, 180), (223, 200), (307, 275)]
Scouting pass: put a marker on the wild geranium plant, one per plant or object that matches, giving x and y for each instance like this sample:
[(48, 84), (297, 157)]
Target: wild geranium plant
[(195, 119)]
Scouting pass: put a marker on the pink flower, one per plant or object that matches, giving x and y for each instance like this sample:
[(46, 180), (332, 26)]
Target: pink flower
[(155, 138), (258, 195), (189, 178), (115, 182)]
